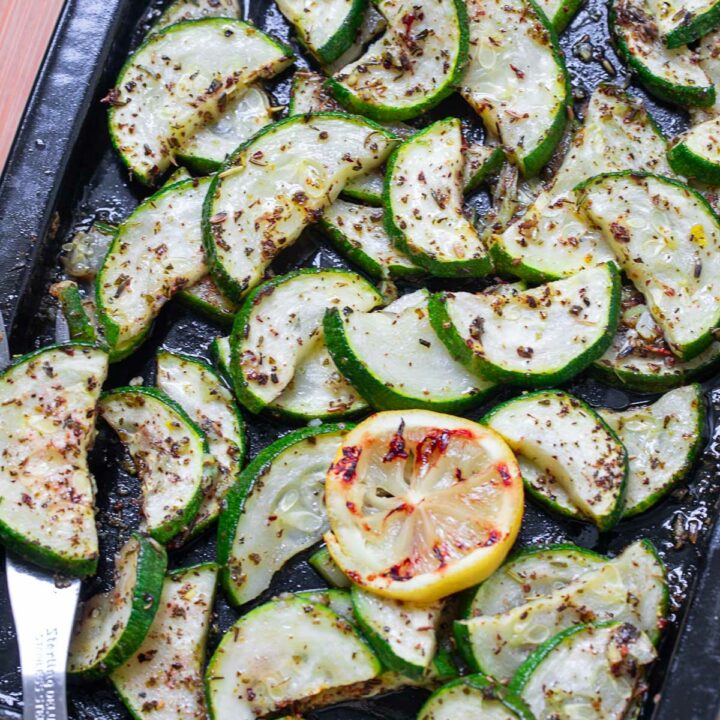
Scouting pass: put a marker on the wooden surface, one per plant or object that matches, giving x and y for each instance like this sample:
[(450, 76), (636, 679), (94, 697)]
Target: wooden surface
[(25, 29)]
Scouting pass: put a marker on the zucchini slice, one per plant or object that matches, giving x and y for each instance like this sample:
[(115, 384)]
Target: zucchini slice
[(673, 75), (639, 357), (403, 635), (339, 601), (682, 21), (559, 12), (551, 240), (396, 360), (359, 233), (181, 10), (412, 67), (275, 510), (666, 237), (282, 652), (205, 297), (708, 53), (180, 79), (568, 441), (325, 566), (535, 337), (423, 201), (112, 625), (79, 313), (474, 696), (163, 679), (245, 115), (325, 28), (156, 252), (198, 390), (630, 588), (280, 323), (662, 440), (532, 573), (317, 391), (481, 161), (516, 79), (696, 153), (169, 451), (278, 183), (592, 671), (48, 401)]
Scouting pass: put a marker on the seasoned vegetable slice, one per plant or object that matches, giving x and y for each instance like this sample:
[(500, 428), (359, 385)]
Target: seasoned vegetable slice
[(424, 204), (551, 240), (516, 79), (569, 441), (280, 323), (163, 679), (276, 184), (48, 401), (421, 504), (662, 441), (339, 601), (640, 359), (181, 10), (403, 635), (396, 360), (666, 237), (696, 153), (359, 233), (205, 297), (325, 28), (246, 114), (282, 652), (683, 21), (535, 337), (474, 696), (595, 671), (180, 79), (412, 67), (198, 390), (672, 75), (316, 391), (156, 252), (169, 451), (112, 625), (481, 161), (78, 311), (275, 510), (325, 566), (559, 12), (532, 573), (630, 588)]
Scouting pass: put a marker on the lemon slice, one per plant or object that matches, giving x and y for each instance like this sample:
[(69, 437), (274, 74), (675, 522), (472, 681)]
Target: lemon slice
[(422, 504)]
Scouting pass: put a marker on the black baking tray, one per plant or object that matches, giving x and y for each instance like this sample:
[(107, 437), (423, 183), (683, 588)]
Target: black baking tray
[(63, 174)]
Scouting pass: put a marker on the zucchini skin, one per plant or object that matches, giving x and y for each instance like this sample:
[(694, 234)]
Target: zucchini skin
[(491, 166), (694, 348), (687, 163), (80, 326), (663, 89), (446, 331), (477, 267), (149, 179), (694, 27), (151, 566), (227, 284), (379, 395), (387, 112), (19, 544), (169, 529), (343, 39), (235, 499), (565, 14), (609, 521), (489, 688)]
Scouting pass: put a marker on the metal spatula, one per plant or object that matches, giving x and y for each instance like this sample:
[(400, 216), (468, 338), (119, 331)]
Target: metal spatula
[(43, 607)]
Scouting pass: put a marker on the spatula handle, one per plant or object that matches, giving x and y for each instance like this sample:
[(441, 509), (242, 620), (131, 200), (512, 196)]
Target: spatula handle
[(43, 613)]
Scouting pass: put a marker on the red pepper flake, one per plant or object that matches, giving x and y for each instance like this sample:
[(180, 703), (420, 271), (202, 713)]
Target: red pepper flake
[(346, 466)]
